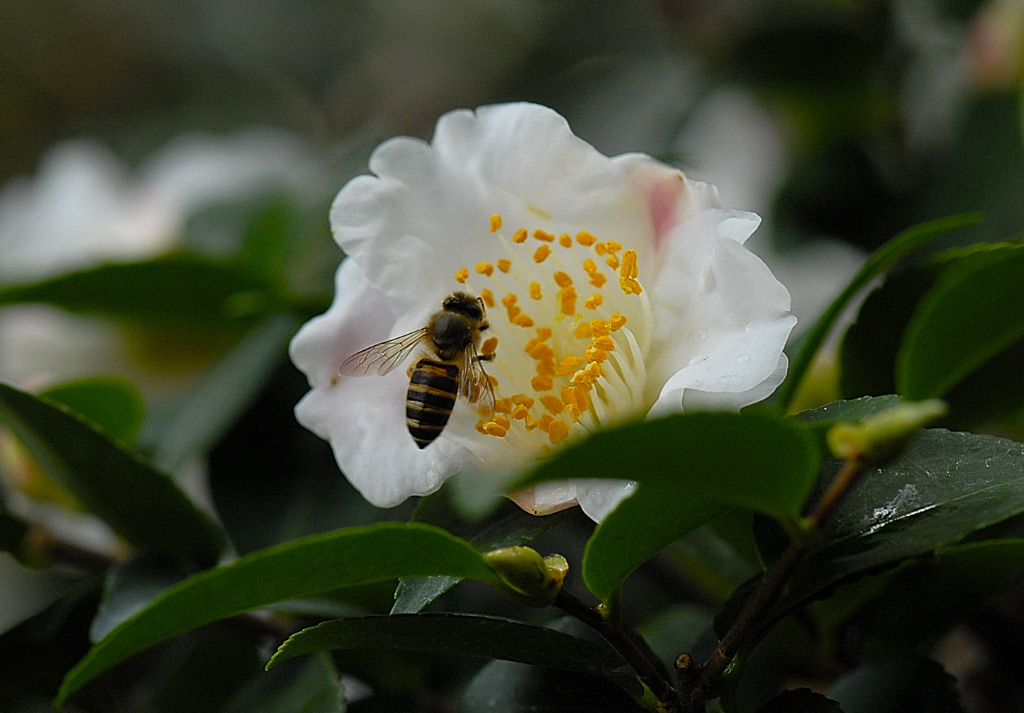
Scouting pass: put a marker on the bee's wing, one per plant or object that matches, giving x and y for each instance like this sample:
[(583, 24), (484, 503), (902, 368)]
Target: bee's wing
[(474, 384), (382, 357)]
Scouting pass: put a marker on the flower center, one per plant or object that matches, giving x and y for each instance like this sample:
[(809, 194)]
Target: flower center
[(572, 321)]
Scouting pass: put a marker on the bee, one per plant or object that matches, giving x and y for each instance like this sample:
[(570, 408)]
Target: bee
[(454, 369)]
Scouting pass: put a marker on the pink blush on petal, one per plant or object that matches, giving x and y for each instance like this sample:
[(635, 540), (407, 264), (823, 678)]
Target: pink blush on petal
[(662, 206)]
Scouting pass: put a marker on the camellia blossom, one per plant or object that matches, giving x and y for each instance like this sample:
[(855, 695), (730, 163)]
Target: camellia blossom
[(615, 288)]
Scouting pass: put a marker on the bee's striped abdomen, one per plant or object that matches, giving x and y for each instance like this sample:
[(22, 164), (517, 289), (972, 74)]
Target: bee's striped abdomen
[(433, 387)]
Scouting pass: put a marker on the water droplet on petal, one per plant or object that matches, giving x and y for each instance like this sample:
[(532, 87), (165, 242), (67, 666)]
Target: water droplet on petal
[(742, 358)]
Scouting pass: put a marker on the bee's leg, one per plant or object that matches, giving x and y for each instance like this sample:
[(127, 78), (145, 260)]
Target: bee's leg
[(486, 356)]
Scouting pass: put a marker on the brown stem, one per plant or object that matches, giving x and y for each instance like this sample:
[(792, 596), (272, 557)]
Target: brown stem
[(619, 641), (766, 594)]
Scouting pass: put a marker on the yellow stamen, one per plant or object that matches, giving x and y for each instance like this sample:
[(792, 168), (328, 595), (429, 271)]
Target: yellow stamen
[(462, 275), (599, 328), (585, 239), (523, 400), (535, 290), (543, 333), (485, 268), (558, 431), (594, 301), (542, 253), (567, 298), (520, 236), (487, 296), (598, 280), (552, 403), (562, 279), (489, 345), (605, 343), (522, 320), (565, 240), (612, 247), (543, 235), (612, 261), (584, 331), (542, 383), (494, 429), (568, 365), (495, 223), (628, 273), (504, 265), (617, 322)]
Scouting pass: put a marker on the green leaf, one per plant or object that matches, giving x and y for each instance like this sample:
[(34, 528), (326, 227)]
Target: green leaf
[(925, 599), (747, 460), (179, 289), (618, 545), (509, 687), (973, 313), (302, 568), (852, 410), (450, 633), (879, 261), (113, 404), (309, 686), (196, 421), (908, 684), (139, 502), (945, 487), (129, 588)]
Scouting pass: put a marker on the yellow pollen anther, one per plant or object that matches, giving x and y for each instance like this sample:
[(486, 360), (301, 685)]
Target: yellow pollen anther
[(576, 397), (598, 280), (484, 268), (612, 247), (595, 354), (600, 248), (605, 343), (462, 275), (489, 345), (543, 333), (546, 420), (494, 380), (520, 236), (542, 253), (628, 273), (531, 424), (617, 322), (542, 382), (535, 290), (504, 265), (612, 261), (553, 404), (543, 235), (495, 223), (503, 405), (523, 400), (584, 331), (487, 296), (565, 240), (558, 431), (568, 366), (567, 298), (599, 328), (520, 412), (494, 429), (585, 239), (522, 320), (594, 301), (539, 350), (562, 279)]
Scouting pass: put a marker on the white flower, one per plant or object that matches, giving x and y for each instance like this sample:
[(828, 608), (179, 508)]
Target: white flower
[(616, 288)]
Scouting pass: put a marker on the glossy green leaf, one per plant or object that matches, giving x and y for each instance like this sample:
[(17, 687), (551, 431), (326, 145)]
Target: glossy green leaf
[(852, 410), (747, 460), (908, 684), (302, 568), (113, 404), (973, 313), (139, 502), (945, 487), (880, 261), (179, 289), (451, 633), (130, 587), (620, 543)]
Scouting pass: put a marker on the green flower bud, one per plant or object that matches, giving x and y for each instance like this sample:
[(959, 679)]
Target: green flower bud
[(530, 578), (885, 435)]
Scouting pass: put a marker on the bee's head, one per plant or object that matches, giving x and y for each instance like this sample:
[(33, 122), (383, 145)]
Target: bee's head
[(465, 304)]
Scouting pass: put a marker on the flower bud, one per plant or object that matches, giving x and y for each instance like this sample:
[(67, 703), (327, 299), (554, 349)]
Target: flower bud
[(531, 579), (885, 435)]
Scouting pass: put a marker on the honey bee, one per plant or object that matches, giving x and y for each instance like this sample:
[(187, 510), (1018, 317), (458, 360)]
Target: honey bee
[(455, 369)]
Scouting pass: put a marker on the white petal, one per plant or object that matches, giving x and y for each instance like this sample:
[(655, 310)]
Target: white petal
[(597, 498), (546, 498)]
